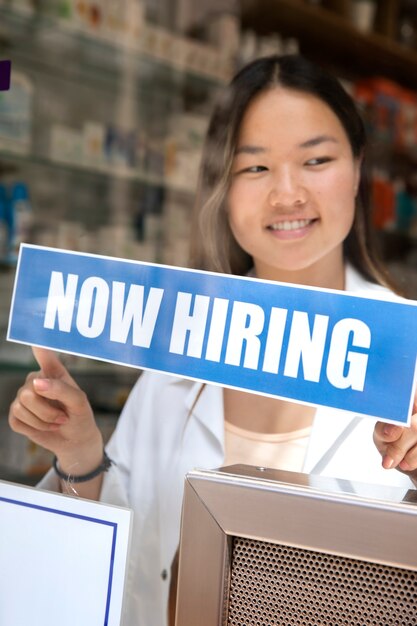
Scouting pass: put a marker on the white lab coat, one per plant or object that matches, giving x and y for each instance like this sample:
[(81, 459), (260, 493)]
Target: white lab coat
[(157, 441)]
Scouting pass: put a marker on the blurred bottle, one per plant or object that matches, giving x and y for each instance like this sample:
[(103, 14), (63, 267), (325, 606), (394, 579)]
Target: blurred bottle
[(4, 224), (21, 218)]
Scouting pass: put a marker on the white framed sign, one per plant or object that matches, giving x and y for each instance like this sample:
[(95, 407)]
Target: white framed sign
[(62, 559)]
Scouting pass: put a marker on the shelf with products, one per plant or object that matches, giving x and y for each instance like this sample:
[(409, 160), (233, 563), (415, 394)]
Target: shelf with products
[(10, 162), (390, 114), (101, 53), (116, 145), (326, 34), (83, 109)]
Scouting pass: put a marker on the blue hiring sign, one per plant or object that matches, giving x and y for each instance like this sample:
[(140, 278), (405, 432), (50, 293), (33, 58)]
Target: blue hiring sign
[(313, 346)]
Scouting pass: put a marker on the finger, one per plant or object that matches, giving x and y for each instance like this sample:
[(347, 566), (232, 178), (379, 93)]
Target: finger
[(409, 462), (387, 433), (49, 363), (20, 418), (34, 434), (395, 452), (46, 410), (73, 399)]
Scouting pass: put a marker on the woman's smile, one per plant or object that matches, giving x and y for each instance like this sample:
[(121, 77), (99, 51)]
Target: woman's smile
[(291, 228)]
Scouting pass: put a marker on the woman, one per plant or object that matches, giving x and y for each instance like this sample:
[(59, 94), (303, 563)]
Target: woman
[(281, 197)]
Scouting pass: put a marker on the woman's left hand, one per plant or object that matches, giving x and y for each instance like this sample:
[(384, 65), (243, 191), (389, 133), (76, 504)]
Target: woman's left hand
[(398, 445)]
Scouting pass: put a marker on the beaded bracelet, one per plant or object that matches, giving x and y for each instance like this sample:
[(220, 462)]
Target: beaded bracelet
[(103, 467)]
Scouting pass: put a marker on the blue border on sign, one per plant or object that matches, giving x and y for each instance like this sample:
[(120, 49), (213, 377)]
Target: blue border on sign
[(86, 519)]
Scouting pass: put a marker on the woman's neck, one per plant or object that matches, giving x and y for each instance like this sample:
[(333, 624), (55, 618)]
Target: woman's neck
[(324, 275), (264, 414)]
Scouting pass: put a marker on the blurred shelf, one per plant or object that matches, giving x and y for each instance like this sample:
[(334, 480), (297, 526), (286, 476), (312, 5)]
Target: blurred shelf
[(107, 56), (78, 366), (332, 40), (10, 161)]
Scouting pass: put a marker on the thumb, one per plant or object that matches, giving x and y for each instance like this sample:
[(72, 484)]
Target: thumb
[(49, 363)]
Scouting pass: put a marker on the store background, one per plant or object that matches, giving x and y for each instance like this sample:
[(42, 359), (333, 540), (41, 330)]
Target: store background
[(102, 129)]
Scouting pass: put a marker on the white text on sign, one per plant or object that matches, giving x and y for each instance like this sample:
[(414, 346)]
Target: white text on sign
[(235, 333)]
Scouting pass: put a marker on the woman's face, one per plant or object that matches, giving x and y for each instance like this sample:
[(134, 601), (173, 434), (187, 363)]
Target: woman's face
[(291, 201)]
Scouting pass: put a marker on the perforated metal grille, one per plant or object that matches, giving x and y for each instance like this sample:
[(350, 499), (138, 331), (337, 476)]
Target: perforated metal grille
[(275, 585)]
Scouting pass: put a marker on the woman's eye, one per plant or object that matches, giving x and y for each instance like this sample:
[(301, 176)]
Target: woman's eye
[(319, 160), (254, 169)]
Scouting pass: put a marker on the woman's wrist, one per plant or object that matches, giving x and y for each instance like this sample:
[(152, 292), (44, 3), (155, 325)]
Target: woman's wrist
[(77, 460), (76, 477)]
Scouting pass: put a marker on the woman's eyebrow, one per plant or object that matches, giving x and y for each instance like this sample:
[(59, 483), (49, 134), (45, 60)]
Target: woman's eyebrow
[(248, 149), (315, 141)]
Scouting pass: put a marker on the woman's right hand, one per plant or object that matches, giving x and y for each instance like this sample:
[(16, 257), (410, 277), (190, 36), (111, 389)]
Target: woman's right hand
[(52, 411)]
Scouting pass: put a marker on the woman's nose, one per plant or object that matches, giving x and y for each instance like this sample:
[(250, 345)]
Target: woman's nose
[(287, 190)]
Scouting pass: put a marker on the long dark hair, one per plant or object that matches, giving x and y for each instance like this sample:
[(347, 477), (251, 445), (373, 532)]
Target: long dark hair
[(213, 246)]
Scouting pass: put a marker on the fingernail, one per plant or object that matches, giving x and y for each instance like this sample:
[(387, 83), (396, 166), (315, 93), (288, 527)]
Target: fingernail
[(62, 419), (41, 384), (387, 462)]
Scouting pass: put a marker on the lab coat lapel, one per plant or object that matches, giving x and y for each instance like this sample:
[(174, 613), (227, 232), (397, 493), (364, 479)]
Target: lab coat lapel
[(199, 444), (205, 405)]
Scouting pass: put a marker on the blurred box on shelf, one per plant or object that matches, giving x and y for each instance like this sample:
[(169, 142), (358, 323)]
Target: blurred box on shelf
[(223, 32), (22, 6), (114, 240), (93, 143), (154, 157), (183, 149), (185, 54), (16, 115), (117, 19), (146, 251), (159, 42), (362, 14), (69, 235), (66, 144), (176, 252), (176, 234), (121, 146), (390, 111), (123, 17)]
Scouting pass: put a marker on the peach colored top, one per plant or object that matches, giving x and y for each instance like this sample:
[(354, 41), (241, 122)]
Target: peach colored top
[(285, 451)]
